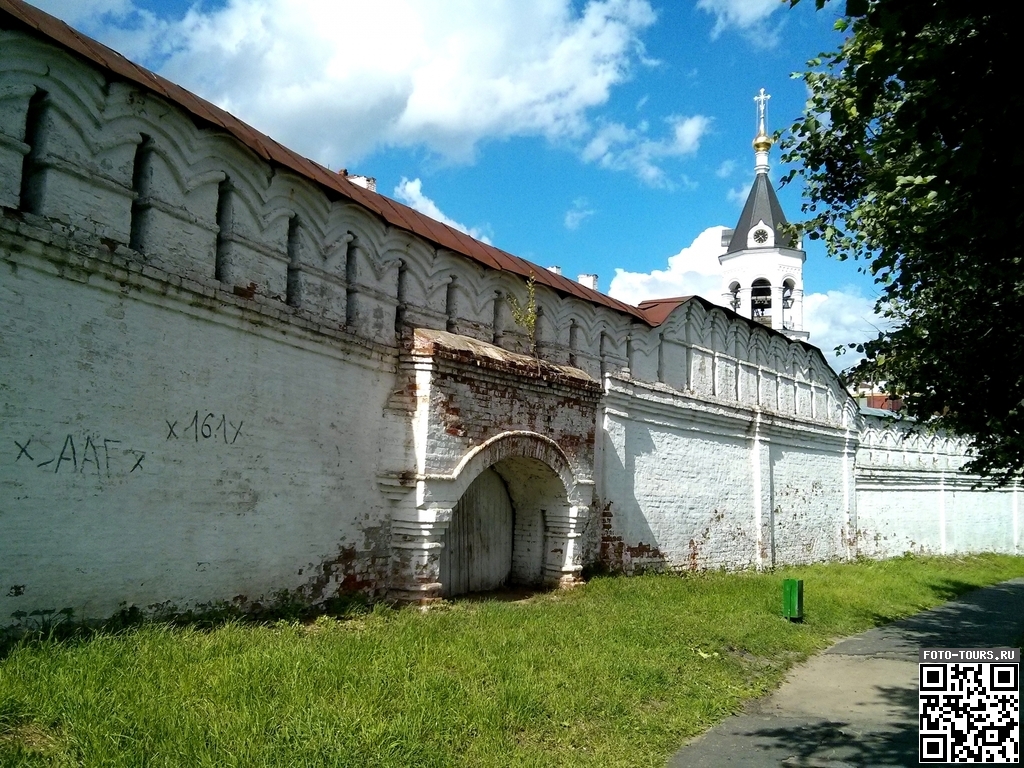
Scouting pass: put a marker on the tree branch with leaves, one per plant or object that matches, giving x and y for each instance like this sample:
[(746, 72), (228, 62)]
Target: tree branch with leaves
[(525, 314), (911, 153)]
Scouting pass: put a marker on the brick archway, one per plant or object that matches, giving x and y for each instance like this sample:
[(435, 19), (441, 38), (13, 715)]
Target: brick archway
[(551, 502)]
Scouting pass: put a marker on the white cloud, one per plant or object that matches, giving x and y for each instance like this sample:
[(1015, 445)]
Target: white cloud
[(739, 13), (694, 270), (738, 195), (411, 193), (725, 169), (337, 79), (687, 183), (120, 24), (747, 16), (579, 212), (82, 11), (620, 148), (688, 132), (840, 317)]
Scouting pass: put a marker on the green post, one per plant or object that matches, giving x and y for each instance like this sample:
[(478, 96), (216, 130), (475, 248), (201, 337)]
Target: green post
[(793, 599)]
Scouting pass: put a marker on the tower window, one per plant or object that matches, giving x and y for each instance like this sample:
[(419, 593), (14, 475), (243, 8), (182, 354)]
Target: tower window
[(761, 301), (787, 302)]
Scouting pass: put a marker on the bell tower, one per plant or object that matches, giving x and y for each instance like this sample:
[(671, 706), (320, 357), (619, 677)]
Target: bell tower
[(763, 266)]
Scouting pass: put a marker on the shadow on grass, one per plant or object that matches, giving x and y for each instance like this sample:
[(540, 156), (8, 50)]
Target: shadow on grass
[(49, 626), (512, 594)]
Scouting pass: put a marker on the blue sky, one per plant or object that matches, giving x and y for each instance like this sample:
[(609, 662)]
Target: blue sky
[(601, 136)]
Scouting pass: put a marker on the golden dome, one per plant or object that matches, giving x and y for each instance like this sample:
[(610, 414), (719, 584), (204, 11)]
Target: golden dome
[(762, 142)]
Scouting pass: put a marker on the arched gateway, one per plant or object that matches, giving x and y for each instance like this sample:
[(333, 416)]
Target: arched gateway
[(510, 513), (487, 498), (498, 533), (517, 519)]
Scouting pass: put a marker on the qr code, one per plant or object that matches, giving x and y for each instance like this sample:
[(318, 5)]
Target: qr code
[(969, 712)]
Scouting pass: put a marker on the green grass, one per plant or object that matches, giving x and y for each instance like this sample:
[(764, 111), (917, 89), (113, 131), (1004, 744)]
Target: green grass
[(618, 672)]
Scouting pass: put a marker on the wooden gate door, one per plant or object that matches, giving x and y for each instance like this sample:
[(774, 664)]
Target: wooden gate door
[(477, 556)]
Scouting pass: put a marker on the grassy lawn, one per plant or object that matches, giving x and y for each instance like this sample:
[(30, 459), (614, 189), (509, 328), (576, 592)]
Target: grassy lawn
[(618, 672)]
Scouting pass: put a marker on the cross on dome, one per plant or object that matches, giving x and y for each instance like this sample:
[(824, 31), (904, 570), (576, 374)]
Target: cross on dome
[(762, 142), (761, 100)]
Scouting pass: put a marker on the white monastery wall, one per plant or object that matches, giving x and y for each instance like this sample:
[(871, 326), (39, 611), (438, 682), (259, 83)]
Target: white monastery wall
[(220, 380), (695, 482), (172, 446), (810, 510), (675, 492), (913, 497), (157, 265)]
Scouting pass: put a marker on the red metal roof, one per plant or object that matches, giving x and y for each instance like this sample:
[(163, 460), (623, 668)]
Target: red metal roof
[(393, 212), (656, 311)]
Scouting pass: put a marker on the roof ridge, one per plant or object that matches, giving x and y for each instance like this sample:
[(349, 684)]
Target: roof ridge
[(762, 205)]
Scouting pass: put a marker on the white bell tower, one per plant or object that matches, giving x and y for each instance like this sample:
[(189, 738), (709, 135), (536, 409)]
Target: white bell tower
[(763, 266)]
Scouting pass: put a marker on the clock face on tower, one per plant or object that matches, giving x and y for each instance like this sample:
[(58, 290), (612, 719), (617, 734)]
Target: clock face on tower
[(761, 236)]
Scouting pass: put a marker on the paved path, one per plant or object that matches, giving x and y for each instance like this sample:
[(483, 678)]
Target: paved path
[(856, 703)]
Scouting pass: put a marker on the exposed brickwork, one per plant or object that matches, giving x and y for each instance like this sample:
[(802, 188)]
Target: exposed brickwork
[(478, 391), (617, 556), (355, 570)]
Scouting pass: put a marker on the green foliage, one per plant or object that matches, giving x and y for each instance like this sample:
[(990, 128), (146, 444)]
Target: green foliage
[(525, 315), (912, 155), (618, 672)]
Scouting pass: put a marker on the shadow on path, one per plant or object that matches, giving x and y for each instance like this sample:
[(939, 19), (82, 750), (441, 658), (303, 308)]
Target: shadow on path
[(984, 618), (855, 704)]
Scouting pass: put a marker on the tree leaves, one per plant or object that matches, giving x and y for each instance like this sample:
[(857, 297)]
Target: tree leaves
[(912, 165)]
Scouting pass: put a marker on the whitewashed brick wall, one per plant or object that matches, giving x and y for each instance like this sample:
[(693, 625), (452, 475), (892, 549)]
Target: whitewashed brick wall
[(912, 496), (693, 483), (164, 445)]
